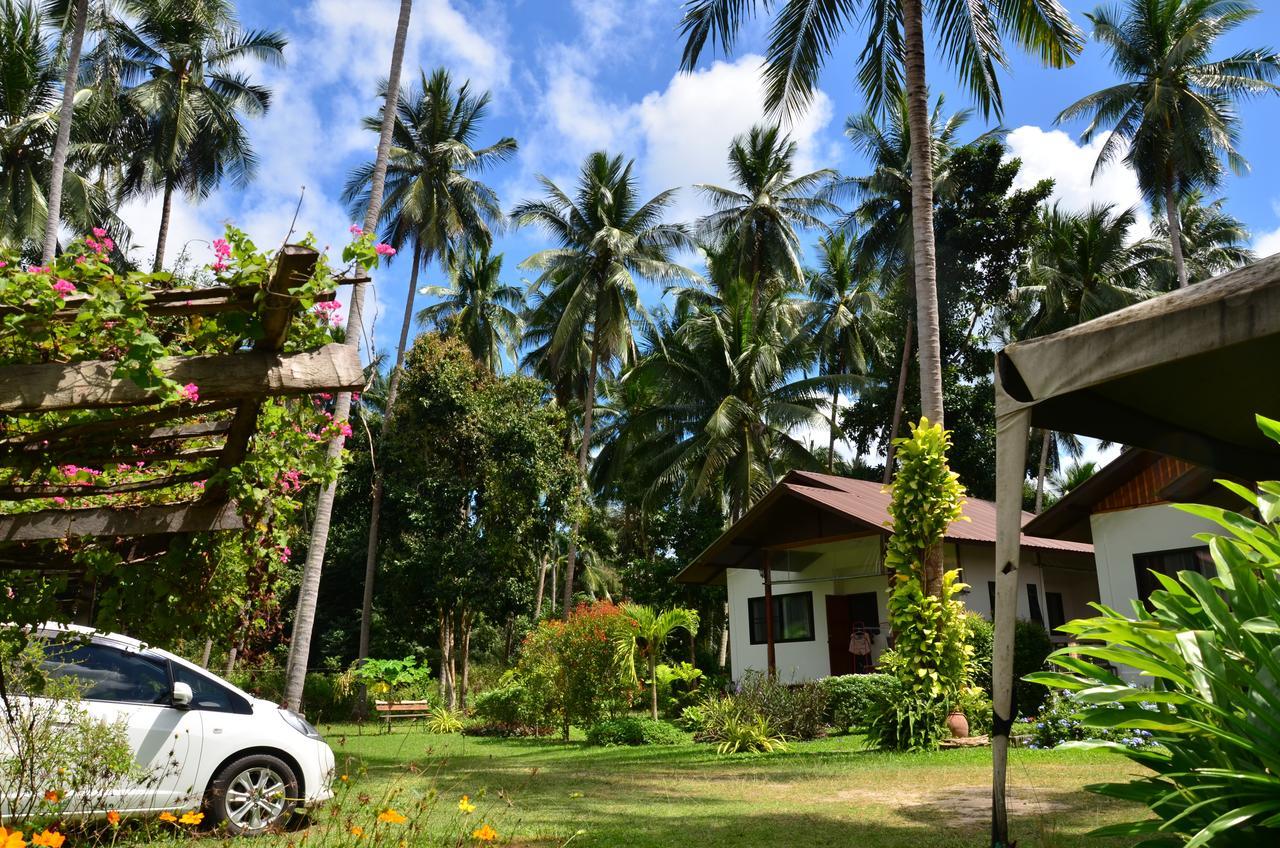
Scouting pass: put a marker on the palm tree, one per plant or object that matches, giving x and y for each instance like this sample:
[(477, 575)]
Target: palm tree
[(803, 35), (29, 126), (1213, 241), (607, 238), (180, 58), (478, 307), (1173, 115), (842, 323), (309, 587), (1070, 478), (641, 636), (434, 202), (61, 146), (760, 216), (1053, 445)]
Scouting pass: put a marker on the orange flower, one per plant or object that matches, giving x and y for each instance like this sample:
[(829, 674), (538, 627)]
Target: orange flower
[(192, 817), (344, 778), (11, 839), (390, 816), (357, 831), (484, 833), (48, 839), (113, 818), (167, 816), (53, 796)]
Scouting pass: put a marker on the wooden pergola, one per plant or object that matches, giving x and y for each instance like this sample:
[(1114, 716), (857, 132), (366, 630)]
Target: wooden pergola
[(202, 438)]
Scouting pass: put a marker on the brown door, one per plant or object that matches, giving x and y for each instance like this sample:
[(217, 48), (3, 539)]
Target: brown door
[(839, 629)]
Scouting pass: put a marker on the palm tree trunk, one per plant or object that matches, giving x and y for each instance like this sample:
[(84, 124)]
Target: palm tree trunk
[(723, 659), (59, 165), (208, 649), (166, 209), (542, 585), (464, 626), (588, 408), (1175, 231), (653, 685), (1044, 470), (309, 589), (903, 372), (375, 505), (831, 441)]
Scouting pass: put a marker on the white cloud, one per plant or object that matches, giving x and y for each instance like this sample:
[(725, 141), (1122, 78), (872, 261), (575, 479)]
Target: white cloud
[(1055, 155), (1267, 243)]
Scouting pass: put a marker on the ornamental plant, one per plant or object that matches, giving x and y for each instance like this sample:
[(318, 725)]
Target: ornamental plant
[(1208, 652), (929, 627)]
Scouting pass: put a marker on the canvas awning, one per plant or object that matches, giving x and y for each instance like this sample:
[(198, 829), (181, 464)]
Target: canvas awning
[(1182, 374)]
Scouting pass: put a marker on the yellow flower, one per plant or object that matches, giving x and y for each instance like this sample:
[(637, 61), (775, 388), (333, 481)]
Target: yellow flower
[(465, 805), (52, 796), (48, 839), (11, 839), (390, 816), (113, 818), (167, 816), (192, 817), (484, 833), (357, 831), (344, 778)]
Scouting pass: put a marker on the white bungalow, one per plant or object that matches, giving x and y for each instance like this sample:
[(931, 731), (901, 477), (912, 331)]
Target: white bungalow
[(809, 558)]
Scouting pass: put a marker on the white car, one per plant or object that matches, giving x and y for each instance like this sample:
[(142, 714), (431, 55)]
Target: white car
[(200, 741)]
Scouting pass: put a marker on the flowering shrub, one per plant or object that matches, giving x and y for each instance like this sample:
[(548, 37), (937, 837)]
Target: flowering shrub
[(1060, 721)]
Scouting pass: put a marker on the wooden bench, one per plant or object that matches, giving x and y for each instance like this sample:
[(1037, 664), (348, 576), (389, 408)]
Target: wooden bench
[(388, 710)]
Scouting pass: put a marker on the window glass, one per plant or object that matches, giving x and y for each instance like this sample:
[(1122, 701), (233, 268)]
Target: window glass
[(1033, 604), (109, 674), (792, 618), (1169, 563), (209, 694), (1057, 613)]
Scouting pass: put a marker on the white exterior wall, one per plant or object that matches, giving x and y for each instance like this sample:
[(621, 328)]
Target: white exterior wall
[(1120, 534)]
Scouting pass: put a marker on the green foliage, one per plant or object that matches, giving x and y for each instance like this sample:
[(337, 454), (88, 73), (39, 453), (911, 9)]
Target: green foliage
[(902, 718), (981, 637), (516, 707), (441, 719), (1031, 650), (677, 687), (634, 730), (796, 711), (1208, 647), (849, 697), (927, 498), (387, 679), (744, 732), (976, 705), (1060, 720), (641, 633)]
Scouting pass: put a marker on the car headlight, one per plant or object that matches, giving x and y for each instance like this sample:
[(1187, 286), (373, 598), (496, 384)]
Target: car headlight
[(300, 724)]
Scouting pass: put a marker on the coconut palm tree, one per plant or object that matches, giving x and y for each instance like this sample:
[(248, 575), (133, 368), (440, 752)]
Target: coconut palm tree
[(1053, 445), (760, 215), (1173, 116), (641, 636), (606, 239), (61, 146), (478, 307), (1213, 240), (1070, 478), (30, 80), (309, 586), (842, 321), (434, 202), (180, 60)]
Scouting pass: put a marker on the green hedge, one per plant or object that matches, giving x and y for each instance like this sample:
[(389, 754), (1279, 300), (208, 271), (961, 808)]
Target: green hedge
[(634, 730), (849, 696)]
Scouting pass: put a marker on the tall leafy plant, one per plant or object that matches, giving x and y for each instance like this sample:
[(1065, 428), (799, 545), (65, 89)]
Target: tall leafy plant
[(1208, 650)]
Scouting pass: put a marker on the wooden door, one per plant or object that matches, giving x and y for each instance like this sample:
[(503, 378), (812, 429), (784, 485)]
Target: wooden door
[(839, 629)]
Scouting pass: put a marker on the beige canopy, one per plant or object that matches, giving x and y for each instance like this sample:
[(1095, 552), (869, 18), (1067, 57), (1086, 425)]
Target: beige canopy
[(1182, 374)]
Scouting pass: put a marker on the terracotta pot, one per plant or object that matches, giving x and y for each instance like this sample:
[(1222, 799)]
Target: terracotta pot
[(958, 725)]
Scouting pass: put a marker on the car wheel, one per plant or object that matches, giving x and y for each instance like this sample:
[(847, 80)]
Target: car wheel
[(254, 794)]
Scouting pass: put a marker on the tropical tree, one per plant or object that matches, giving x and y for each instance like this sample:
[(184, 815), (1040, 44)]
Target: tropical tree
[(180, 60), (842, 321), (606, 239), (760, 215), (435, 203), (309, 586), (62, 144), (1070, 478), (30, 80), (478, 308), (1053, 444), (1173, 116), (1213, 240), (642, 633)]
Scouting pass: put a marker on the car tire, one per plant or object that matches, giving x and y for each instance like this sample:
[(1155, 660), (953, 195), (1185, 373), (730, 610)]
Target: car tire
[(253, 794)]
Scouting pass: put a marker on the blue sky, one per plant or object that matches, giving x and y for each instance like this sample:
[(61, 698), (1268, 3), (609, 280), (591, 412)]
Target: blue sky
[(572, 76)]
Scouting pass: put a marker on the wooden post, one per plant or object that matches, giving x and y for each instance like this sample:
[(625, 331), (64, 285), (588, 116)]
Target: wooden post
[(768, 615)]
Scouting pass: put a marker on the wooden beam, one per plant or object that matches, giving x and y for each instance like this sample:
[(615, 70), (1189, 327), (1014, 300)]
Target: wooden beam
[(117, 424), (768, 615), (118, 521), (100, 456), (237, 376), (29, 491)]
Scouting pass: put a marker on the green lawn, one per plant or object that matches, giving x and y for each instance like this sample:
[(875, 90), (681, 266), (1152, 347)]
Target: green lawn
[(831, 792)]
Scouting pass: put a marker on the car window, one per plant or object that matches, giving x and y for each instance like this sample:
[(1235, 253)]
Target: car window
[(109, 674), (209, 694)]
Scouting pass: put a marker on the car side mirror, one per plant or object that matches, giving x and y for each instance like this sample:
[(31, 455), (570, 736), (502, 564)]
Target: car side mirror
[(182, 695)]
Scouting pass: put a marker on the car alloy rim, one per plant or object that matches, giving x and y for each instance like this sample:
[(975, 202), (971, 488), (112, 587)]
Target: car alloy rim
[(255, 798)]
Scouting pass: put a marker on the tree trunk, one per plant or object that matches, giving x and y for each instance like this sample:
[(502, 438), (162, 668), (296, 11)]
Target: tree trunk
[(653, 684), (309, 589), (542, 585), (208, 649), (464, 627), (166, 209), (1044, 469), (903, 372), (724, 638), (58, 166), (831, 442), (447, 694), (1175, 231), (231, 663), (584, 450), (375, 505)]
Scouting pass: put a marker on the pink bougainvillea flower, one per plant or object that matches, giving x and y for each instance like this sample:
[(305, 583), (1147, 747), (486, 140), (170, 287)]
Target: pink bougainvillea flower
[(108, 244), (355, 230), (59, 500), (221, 247), (189, 392), (285, 553), (4, 264), (99, 232), (345, 430), (64, 288), (384, 249), (38, 269)]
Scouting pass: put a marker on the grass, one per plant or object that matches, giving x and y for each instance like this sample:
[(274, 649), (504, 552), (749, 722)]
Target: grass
[(831, 792)]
